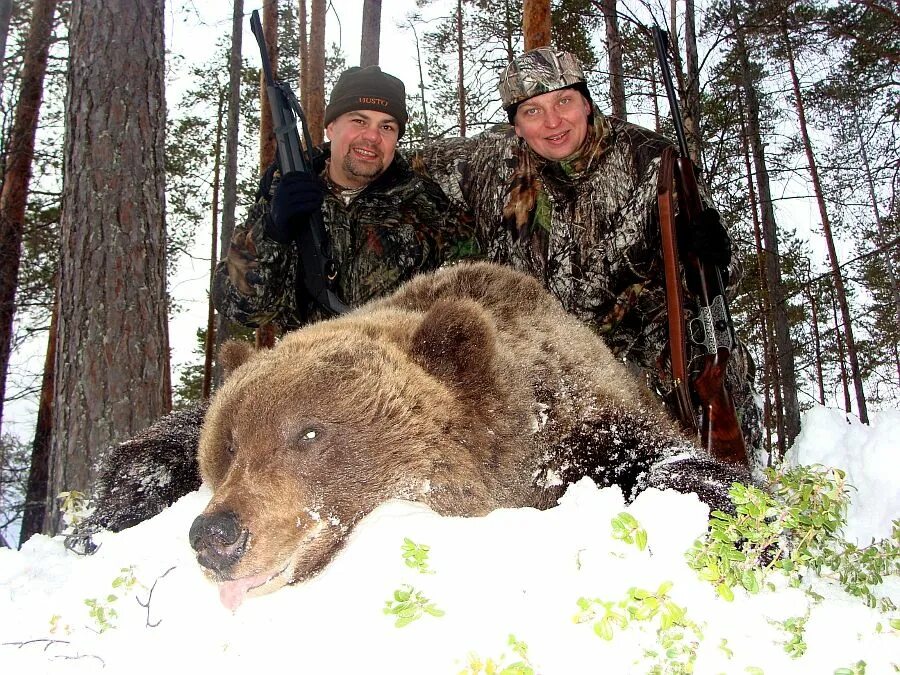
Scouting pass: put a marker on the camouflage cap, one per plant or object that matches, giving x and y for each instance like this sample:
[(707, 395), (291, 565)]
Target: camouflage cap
[(537, 72)]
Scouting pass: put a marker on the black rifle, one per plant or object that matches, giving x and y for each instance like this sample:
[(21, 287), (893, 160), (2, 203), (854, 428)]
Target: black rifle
[(712, 331), (318, 269)]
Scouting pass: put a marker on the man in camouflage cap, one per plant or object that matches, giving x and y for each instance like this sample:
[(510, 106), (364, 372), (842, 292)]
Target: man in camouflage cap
[(384, 222), (569, 195)]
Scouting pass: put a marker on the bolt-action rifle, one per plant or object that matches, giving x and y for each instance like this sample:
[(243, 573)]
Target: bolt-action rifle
[(318, 269), (712, 331)]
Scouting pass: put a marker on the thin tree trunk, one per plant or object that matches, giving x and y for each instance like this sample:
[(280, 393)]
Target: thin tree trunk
[(111, 372), (535, 23), (209, 347), (315, 110), (36, 504), (817, 343), (5, 14), (783, 345), (829, 237), (890, 261), (614, 48), (426, 135), (842, 362), (370, 38), (229, 189), (692, 88), (770, 377), (17, 176), (266, 133), (460, 73), (303, 47)]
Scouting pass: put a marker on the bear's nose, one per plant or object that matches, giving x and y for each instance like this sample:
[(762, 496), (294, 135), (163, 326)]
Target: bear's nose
[(218, 539)]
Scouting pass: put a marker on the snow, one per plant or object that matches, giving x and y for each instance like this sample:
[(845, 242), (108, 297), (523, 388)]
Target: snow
[(514, 572)]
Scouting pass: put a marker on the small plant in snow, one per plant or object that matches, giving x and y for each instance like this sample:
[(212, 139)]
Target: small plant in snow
[(408, 604), (491, 667), (626, 528), (858, 668), (416, 556), (74, 507), (794, 528), (57, 625), (676, 635), (102, 611), (795, 627)]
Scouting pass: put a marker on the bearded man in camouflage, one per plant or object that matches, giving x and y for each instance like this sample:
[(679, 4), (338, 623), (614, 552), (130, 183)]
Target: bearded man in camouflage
[(385, 223), (569, 195)]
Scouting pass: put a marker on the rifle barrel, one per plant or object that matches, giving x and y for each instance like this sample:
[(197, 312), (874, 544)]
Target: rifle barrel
[(661, 42)]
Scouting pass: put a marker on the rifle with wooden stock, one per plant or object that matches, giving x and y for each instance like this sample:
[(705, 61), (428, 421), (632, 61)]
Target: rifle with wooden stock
[(319, 271), (701, 380)]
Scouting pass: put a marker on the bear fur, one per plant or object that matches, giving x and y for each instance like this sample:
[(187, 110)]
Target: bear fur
[(140, 477), (468, 389)]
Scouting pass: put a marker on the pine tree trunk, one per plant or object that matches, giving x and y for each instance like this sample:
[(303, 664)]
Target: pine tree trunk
[(111, 374), (829, 238), (229, 189), (370, 38), (891, 263), (210, 342), (315, 110), (36, 504), (535, 23), (5, 14), (769, 365), (692, 88), (303, 48), (461, 71), (817, 343), (17, 176), (266, 133), (842, 362), (779, 320), (616, 70)]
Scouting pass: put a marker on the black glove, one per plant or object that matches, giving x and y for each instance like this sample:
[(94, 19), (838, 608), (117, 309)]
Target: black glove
[(709, 240), (297, 195)]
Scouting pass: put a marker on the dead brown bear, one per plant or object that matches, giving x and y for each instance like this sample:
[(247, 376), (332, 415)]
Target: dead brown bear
[(468, 389)]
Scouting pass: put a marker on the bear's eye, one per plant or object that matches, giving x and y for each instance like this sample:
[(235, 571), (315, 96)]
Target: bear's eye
[(229, 448), (308, 434)]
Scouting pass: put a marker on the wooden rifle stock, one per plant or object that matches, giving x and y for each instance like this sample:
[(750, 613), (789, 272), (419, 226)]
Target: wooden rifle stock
[(712, 329)]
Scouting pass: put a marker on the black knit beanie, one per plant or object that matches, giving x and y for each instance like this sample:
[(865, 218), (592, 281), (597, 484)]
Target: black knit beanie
[(368, 89)]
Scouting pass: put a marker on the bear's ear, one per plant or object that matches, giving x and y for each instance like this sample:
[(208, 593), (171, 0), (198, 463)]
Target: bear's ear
[(233, 354), (456, 342)]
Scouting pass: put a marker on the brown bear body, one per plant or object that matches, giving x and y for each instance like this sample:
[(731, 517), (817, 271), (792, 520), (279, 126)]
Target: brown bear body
[(468, 389)]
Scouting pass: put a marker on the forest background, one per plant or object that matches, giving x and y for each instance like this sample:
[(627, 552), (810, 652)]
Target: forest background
[(791, 110)]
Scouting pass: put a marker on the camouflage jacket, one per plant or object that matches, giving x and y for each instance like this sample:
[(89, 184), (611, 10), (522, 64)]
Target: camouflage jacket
[(397, 226), (587, 228)]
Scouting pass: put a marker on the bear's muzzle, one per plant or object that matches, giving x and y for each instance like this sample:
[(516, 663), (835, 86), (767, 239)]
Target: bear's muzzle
[(219, 541)]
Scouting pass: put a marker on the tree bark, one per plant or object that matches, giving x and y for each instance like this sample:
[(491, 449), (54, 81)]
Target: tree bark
[(315, 111), (229, 188), (5, 14), (461, 71), (837, 276), (36, 504), (111, 373), (370, 38), (536, 23), (616, 70), (210, 342), (17, 176), (842, 362), (783, 346), (692, 86), (303, 52), (266, 133)]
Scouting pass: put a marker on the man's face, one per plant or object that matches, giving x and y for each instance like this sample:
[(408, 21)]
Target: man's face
[(554, 124), (362, 146)]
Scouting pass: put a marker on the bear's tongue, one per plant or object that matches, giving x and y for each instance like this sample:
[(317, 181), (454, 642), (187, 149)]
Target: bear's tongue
[(232, 593)]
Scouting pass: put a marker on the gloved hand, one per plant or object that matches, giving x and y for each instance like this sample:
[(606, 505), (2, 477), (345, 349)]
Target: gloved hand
[(297, 195), (709, 239)]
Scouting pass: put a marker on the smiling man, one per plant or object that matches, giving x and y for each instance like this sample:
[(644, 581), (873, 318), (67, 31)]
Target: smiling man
[(569, 195), (384, 222)]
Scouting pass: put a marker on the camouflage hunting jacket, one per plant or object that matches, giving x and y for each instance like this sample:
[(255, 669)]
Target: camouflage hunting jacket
[(397, 226), (587, 228)]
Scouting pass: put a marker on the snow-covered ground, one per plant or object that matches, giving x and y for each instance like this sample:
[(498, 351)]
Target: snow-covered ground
[(516, 572)]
